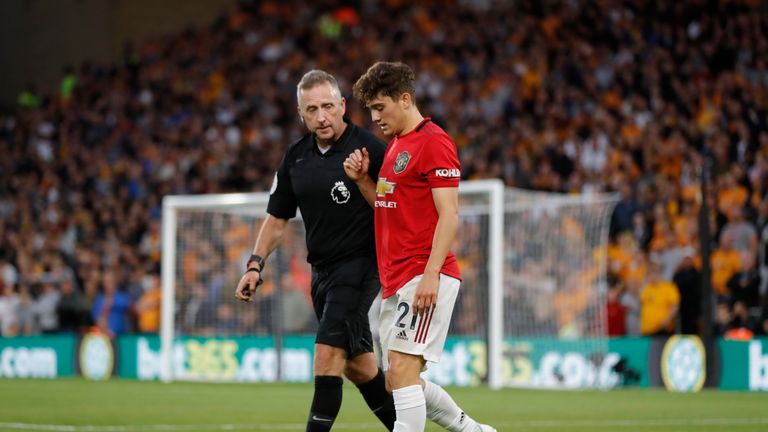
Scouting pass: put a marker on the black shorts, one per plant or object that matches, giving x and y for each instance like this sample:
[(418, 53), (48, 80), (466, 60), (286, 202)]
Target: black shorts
[(342, 294)]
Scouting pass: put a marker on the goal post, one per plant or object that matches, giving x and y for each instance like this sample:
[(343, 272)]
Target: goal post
[(494, 189), (248, 203), (193, 225)]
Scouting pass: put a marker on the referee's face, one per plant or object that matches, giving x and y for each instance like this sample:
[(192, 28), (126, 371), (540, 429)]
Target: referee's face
[(322, 110)]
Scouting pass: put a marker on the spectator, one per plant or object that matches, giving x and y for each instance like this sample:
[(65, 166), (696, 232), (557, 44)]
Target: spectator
[(226, 321), (744, 285), (688, 282), (197, 310), (623, 218), (659, 304), (763, 328), (111, 307), (731, 199), (9, 310), (8, 273), (615, 312), (671, 256), (45, 308), (148, 307), (73, 309), (630, 301), (26, 321), (725, 261), (640, 108), (742, 325), (723, 316), (742, 233), (640, 230)]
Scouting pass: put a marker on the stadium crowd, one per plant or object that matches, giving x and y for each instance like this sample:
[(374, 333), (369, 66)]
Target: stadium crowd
[(566, 96)]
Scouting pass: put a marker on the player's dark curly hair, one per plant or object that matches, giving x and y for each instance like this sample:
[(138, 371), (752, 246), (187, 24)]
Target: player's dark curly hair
[(385, 78)]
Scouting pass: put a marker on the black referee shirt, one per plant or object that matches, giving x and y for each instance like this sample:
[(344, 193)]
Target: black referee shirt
[(337, 219)]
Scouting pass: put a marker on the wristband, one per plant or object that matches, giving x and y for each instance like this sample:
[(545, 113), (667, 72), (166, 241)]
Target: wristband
[(258, 260)]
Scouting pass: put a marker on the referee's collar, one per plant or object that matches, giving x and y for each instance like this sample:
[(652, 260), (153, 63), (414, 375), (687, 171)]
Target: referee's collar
[(340, 144)]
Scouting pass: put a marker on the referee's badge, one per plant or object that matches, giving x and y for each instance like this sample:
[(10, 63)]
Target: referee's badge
[(401, 161), (340, 193)]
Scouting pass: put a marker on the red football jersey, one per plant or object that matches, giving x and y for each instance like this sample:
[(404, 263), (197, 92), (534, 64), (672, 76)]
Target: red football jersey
[(406, 216)]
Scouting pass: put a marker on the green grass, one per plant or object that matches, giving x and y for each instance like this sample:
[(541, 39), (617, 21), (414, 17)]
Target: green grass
[(116, 406)]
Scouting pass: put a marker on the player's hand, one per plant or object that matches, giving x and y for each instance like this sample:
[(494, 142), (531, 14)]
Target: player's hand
[(426, 294), (248, 285), (356, 165)]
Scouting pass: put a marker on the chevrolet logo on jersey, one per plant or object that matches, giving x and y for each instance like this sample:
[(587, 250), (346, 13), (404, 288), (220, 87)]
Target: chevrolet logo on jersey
[(383, 187)]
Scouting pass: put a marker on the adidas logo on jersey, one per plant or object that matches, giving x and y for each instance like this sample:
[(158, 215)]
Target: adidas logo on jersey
[(402, 335)]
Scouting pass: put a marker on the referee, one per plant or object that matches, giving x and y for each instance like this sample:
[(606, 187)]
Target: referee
[(340, 243)]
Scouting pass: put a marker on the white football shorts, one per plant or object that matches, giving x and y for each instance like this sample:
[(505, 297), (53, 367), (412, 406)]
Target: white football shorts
[(421, 335)]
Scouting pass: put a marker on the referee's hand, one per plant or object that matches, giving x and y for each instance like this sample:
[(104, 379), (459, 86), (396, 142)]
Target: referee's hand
[(247, 286)]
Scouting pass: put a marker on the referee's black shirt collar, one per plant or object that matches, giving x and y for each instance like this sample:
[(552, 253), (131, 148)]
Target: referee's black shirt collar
[(340, 144)]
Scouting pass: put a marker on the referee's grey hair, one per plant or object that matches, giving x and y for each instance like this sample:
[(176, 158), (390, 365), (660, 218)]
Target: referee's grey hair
[(316, 77)]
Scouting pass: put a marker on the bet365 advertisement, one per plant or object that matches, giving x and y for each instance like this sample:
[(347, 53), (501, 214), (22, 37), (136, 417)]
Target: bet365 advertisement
[(677, 363), (37, 357), (247, 359)]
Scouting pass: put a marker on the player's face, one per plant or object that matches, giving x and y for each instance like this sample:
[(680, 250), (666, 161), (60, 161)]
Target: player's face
[(322, 110), (388, 113)]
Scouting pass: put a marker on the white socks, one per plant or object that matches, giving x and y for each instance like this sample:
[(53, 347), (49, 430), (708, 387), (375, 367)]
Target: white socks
[(442, 410), (414, 405), (411, 409)]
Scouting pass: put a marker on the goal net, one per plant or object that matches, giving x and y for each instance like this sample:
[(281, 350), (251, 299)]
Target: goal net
[(555, 333), (519, 253)]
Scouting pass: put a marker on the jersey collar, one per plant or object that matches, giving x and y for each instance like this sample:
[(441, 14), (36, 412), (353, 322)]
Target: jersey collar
[(339, 145), (418, 127)]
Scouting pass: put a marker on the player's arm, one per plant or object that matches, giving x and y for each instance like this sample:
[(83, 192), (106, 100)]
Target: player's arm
[(270, 236), (356, 166), (447, 204)]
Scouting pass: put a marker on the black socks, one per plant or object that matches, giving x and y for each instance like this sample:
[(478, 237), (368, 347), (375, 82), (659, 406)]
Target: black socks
[(325, 404), (379, 400)]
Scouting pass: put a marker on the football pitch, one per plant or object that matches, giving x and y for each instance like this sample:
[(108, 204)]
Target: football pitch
[(75, 405)]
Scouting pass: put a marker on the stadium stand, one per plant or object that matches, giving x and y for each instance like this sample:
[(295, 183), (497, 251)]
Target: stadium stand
[(567, 96)]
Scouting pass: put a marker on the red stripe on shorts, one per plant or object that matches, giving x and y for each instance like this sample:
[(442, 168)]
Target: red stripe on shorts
[(421, 327), (422, 338)]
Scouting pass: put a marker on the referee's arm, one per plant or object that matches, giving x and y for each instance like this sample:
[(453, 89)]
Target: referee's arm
[(270, 236)]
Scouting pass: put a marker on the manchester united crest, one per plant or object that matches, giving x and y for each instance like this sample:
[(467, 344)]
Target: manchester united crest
[(401, 161)]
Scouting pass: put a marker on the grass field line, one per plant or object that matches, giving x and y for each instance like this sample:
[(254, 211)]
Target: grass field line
[(526, 424)]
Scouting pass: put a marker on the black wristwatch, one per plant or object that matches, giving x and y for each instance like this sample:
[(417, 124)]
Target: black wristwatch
[(258, 260)]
